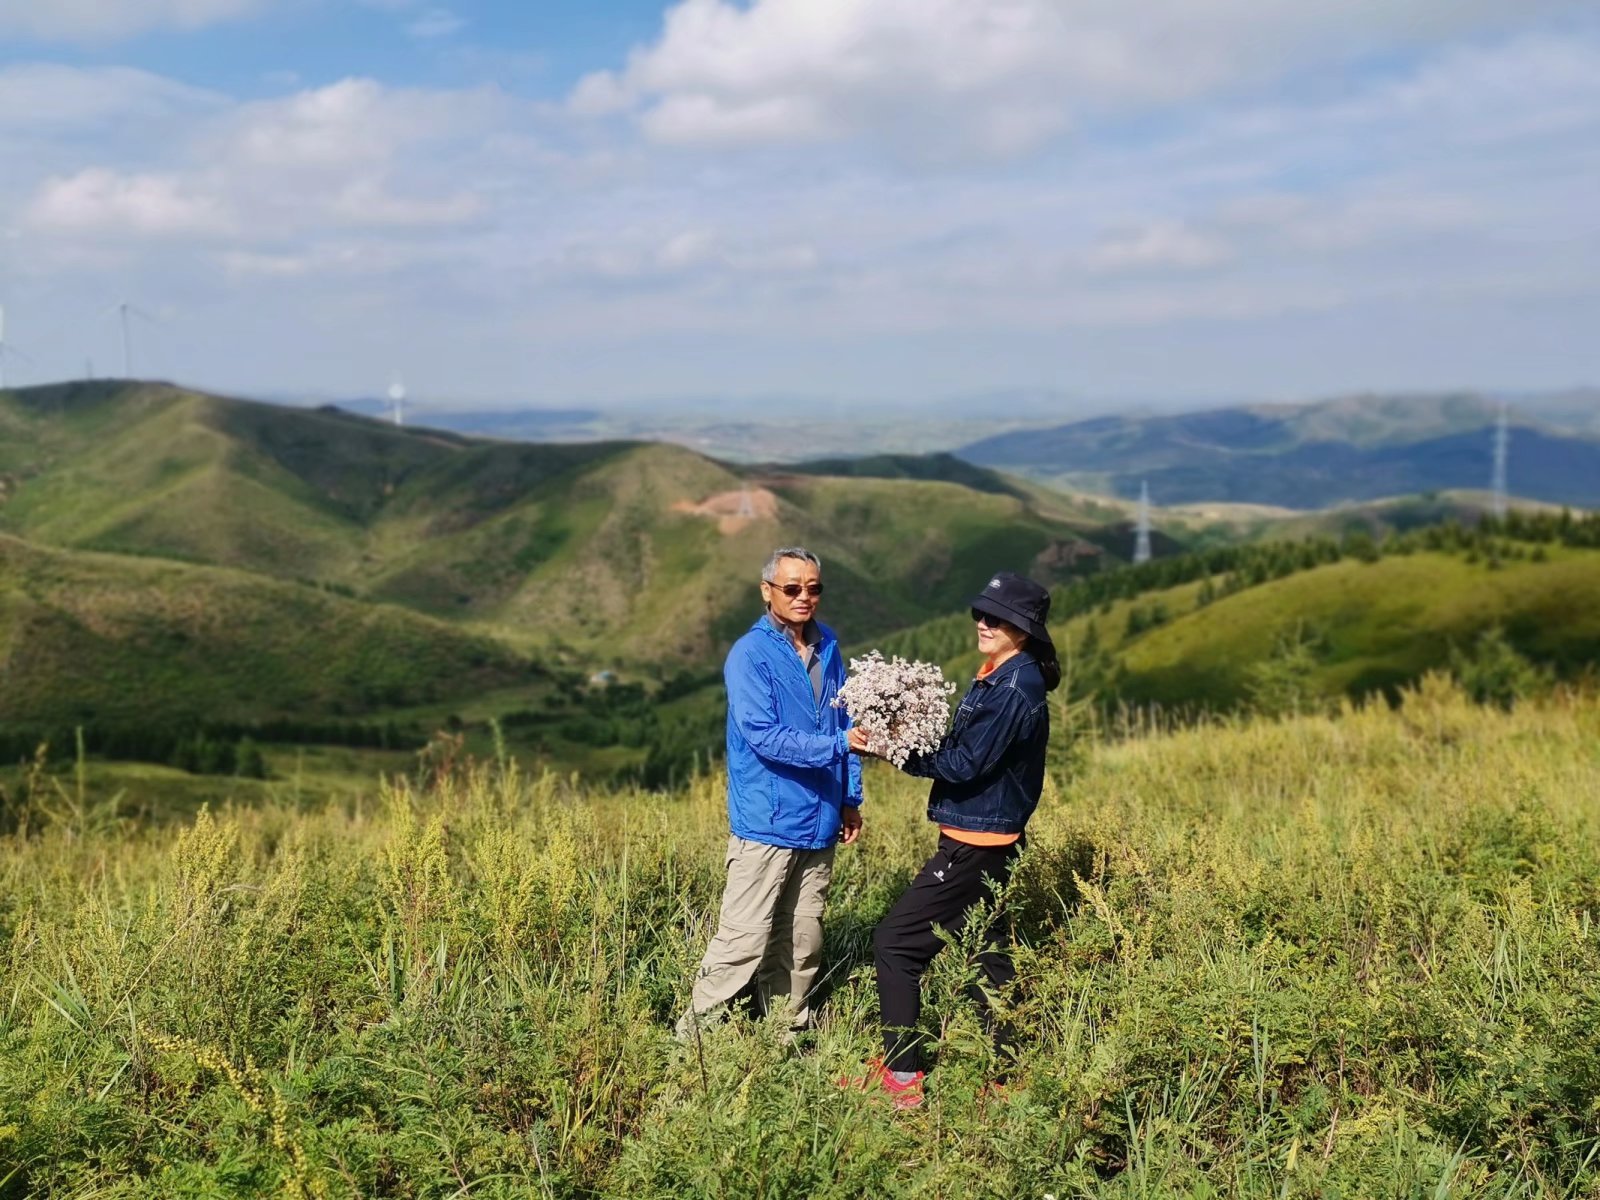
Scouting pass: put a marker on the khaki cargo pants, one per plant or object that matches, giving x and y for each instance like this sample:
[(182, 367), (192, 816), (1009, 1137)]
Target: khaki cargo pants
[(770, 932)]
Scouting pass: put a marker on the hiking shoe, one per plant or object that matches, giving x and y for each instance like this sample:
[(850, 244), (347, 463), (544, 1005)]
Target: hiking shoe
[(901, 1095)]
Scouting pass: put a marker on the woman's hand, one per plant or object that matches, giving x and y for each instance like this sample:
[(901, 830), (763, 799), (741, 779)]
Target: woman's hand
[(860, 743)]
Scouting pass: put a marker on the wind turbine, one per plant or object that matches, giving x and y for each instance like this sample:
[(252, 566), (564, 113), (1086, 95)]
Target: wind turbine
[(7, 350), (124, 310), (397, 399)]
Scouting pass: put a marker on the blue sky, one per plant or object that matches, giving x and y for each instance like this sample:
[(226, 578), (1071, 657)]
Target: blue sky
[(878, 199), (539, 48)]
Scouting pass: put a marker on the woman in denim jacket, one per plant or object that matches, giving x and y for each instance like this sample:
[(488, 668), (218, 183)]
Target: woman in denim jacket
[(987, 775)]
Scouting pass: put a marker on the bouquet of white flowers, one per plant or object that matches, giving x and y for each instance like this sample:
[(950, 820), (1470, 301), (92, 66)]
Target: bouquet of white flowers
[(903, 707)]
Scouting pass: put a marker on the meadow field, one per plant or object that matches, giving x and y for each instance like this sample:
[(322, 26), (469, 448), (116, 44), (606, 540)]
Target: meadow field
[(1347, 955)]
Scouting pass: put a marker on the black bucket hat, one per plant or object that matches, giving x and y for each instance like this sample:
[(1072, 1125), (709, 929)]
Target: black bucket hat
[(1018, 601)]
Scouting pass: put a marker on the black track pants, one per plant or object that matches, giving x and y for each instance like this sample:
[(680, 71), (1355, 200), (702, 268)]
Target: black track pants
[(950, 883)]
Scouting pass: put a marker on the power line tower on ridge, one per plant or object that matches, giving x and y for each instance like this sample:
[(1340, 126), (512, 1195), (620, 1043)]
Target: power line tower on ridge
[(1141, 543), (1502, 445)]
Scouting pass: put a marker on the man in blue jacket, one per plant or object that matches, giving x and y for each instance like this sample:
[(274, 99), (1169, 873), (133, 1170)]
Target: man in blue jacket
[(793, 786)]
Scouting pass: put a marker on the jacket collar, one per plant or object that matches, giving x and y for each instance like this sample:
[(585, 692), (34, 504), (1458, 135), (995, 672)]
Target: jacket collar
[(764, 622), (1013, 664)]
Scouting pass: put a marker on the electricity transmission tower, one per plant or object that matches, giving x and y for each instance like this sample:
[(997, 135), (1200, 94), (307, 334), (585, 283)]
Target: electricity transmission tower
[(1141, 543), (124, 311), (7, 350), (1502, 445)]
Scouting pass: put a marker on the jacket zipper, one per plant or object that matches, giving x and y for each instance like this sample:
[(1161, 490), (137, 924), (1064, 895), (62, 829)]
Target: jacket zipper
[(816, 704)]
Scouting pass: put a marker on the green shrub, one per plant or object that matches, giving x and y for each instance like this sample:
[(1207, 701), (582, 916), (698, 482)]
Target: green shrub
[(1492, 672)]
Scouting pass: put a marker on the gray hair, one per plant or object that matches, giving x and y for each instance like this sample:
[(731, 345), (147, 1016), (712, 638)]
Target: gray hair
[(770, 571)]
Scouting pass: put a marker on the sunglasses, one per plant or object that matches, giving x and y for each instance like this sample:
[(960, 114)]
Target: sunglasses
[(993, 622), (792, 590)]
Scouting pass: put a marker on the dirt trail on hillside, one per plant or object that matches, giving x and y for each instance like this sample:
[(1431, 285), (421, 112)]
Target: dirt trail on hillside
[(735, 510)]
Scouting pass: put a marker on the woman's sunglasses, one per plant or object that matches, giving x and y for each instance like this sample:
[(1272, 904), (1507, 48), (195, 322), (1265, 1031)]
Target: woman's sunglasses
[(993, 622), (792, 590)]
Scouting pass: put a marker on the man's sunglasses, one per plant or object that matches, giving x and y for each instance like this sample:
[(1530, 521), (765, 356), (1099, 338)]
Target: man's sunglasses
[(792, 590)]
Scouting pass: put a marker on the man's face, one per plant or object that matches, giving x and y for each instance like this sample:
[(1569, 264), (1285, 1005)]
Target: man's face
[(800, 577)]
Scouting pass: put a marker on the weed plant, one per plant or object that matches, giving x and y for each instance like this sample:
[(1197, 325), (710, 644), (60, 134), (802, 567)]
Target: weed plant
[(1346, 954)]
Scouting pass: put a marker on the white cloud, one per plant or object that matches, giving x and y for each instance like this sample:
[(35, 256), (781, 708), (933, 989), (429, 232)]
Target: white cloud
[(633, 255), (996, 77), (358, 154), (506, 231), (355, 121), (435, 23), (346, 259), (49, 99), (102, 20), (1161, 246), (369, 202), (176, 163), (244, 263), (101, 202)]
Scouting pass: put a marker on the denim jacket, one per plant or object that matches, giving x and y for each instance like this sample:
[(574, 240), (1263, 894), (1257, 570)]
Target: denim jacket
[(989, 770), (790, 769)]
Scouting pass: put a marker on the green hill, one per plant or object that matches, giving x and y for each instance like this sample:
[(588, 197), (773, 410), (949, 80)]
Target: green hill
[(1378, 518), (1373, 625), (153, 469), (1190, 631), (111, 640), (612, 552), (941, 468)]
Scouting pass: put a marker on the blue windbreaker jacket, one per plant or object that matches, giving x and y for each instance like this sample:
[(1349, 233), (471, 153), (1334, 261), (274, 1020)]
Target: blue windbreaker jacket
[(789, 765)]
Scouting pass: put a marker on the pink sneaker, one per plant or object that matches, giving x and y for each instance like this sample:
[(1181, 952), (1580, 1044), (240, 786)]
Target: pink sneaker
[(902, 1095)]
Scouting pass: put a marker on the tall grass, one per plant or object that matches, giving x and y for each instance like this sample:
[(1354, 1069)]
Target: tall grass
[(1333, 956)]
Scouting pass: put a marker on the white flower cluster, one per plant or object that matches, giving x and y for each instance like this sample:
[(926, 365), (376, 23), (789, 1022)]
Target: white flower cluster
[(902, 706)]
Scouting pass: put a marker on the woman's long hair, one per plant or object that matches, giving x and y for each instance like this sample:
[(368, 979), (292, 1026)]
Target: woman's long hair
[(1044, 654)]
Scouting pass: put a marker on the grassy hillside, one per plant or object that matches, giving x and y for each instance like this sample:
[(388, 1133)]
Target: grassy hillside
[(1323, 957), (108, 639), (1379, 518), (605, 553), (1191, 631), (152, 469), (940, 468), (1374, 625)]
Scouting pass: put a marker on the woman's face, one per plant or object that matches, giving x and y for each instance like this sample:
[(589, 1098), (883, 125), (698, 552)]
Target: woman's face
[(996, 638)]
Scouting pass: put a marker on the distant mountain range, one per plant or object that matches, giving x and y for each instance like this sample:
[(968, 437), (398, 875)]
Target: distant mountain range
[(747, 429), (1307, 457)]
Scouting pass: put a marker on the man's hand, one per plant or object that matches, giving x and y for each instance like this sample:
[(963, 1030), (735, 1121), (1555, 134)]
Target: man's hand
[(852, 823), (859, 741)]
